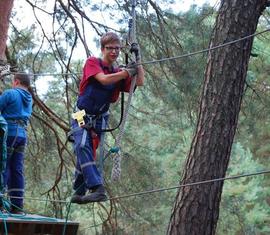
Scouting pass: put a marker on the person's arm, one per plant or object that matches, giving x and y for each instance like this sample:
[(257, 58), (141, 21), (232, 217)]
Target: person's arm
[(107, 79), (131, 70)]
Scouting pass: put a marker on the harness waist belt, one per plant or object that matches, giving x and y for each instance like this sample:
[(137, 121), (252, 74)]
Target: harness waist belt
[(90, 123), (20, 122)]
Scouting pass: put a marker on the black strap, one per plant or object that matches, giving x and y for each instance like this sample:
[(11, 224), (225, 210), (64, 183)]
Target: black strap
[(19, 122), (70, 137), (122, 114), (122, 99)]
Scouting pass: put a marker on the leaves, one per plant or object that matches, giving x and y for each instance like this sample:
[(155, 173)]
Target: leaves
[(160, 125)]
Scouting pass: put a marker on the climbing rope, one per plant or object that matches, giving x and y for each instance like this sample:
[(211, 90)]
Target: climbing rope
[(116, 169)]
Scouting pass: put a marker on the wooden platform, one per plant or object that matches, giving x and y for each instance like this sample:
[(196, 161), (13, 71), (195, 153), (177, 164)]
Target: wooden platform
[(30, 224)]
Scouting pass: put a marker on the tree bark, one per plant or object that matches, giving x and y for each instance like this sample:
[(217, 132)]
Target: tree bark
[(5, 11), (196, 208)]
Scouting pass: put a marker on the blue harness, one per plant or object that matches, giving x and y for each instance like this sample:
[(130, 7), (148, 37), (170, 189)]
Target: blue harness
[(96, 97), (95, 100)]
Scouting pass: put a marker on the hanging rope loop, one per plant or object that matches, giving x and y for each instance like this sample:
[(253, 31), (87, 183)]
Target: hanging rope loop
[(116, 169)]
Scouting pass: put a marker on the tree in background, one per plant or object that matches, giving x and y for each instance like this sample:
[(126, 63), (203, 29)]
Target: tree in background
[(165, 111), (196, 209), (5, 11)]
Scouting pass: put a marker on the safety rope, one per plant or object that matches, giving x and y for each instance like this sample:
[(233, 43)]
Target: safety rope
[(189, 185), (177, 187), (116, 169), (68, 202), (167, 58), (205, 50), (262, 172)]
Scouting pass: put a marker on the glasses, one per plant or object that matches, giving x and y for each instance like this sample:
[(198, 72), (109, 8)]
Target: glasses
[(110, 49)]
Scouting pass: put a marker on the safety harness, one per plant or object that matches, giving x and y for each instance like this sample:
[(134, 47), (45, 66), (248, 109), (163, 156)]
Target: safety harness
[(86, 119), (19, 123)]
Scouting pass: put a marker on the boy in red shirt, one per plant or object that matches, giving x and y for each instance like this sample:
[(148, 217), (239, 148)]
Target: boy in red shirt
[(100, 86)]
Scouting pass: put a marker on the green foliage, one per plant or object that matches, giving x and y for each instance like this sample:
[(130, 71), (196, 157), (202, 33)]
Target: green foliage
[(250, 202), (158, 133), (176, 82), (244, 206)]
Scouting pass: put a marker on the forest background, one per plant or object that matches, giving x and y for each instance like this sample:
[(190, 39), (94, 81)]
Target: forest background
[(165, 110)]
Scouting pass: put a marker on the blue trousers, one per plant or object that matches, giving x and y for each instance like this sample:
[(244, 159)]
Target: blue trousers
[(14, 173), (87, 174)]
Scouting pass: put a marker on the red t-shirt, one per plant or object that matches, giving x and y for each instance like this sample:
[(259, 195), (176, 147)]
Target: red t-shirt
[(94, 66)]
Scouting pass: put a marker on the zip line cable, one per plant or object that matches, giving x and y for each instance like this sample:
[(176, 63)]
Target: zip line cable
[(189, 184), (167, 58), (162, 189), (68, 203), (206, 50)]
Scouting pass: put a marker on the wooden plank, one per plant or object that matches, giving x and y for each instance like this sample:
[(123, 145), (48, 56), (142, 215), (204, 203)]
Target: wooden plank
[(31, 224)]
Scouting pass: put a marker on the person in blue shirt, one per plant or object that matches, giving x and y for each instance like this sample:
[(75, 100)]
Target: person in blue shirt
[(16, 108)]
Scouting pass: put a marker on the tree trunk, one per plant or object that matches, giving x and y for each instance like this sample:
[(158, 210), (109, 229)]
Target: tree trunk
[(5, 11), (196, 208)]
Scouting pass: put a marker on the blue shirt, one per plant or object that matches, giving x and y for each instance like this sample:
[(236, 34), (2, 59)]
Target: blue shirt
[(16, 104)]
